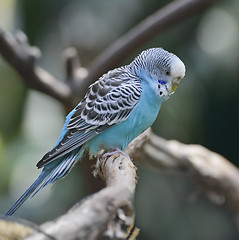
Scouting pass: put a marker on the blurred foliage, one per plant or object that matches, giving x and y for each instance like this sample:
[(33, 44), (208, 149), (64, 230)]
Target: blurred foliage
[(203, 109)]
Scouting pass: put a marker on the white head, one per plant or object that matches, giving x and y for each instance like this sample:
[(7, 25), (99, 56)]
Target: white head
[(160, 66)]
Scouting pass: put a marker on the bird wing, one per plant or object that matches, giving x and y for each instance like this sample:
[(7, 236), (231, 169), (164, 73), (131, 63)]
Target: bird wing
[(108, 101)]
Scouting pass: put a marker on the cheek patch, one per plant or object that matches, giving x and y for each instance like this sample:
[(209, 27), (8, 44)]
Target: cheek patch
[(162, 82)]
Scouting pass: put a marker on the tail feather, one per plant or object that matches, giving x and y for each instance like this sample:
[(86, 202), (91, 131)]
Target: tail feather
[(47, 176), (30, 191)]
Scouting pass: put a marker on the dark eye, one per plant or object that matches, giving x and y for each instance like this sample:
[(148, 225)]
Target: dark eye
[(167, 73)]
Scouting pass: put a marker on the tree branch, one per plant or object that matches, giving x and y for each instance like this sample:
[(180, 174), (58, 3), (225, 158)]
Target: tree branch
[(107, 213), (22, 57), (218, 176)]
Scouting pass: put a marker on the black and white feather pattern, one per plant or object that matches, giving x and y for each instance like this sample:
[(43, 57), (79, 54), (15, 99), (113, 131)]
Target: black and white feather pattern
[(108, 101)]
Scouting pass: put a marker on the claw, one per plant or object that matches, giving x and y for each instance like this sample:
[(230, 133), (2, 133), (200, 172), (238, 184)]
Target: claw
[(116, 151)]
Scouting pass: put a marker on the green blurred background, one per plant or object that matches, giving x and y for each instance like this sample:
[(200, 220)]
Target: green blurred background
[(204, 109)]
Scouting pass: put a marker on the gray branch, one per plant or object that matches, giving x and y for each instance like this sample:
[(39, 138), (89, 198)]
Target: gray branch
[(110, 212), (218, 176), (22, 57), (107, 213)]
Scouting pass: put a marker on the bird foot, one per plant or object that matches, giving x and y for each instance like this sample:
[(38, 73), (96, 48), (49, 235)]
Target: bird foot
[(101, 160), (116, 151)]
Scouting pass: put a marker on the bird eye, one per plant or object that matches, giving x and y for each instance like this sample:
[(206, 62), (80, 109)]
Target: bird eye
[(167, 73)]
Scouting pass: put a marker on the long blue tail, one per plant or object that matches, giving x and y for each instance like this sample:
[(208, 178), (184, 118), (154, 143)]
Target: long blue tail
[(29, 192), (48, 175)]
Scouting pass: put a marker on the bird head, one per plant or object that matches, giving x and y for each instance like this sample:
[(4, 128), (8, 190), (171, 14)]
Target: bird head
[(161, 69)]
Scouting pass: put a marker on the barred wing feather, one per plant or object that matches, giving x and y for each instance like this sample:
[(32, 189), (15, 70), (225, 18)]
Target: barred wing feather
[(109, 100)]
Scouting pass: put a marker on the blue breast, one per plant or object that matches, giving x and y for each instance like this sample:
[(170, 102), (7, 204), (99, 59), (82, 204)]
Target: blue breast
[(141, 118)]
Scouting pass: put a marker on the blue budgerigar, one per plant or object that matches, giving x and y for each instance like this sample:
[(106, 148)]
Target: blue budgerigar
[(117, 108)]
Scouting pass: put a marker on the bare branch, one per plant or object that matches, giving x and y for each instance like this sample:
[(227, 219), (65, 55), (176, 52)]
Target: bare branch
[(10, 230), (218, 177), (108, 213), (21, 56), (74, 70), (105, 212)]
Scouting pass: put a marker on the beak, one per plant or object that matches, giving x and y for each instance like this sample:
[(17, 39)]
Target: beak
[(174, 87)]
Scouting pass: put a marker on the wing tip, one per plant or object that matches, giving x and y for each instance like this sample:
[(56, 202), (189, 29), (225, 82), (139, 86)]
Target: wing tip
[(40, 164)]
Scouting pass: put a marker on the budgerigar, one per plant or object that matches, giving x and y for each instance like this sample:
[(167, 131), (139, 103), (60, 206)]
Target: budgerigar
[(117, 108)]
